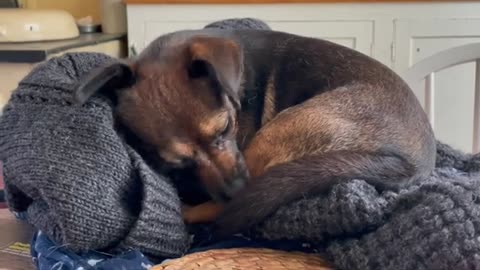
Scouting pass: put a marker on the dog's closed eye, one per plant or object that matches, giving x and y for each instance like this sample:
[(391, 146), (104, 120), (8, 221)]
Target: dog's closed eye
[(179, 155), (216, 125), (178, 161), (227, 127), (183, 162)]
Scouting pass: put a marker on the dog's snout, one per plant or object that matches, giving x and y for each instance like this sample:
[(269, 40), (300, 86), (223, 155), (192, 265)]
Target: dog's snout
[(232, 187), (236, 182), (224, 173)]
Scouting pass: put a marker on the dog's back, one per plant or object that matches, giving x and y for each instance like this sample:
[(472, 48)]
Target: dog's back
[(379, 105), (381, 109)]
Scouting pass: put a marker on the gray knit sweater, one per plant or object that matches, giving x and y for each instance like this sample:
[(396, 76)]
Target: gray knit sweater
[(86, 188), (76, 178)]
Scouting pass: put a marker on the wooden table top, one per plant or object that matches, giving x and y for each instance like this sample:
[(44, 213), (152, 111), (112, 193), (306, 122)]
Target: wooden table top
[(15, 236)]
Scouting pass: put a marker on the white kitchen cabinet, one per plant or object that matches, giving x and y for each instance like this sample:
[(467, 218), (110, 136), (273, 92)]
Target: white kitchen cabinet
[(454, 88), (396, 34), (154, 29), (354, 34)]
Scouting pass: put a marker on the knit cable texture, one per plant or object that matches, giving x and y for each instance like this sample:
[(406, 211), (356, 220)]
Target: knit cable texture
[(432, 224)]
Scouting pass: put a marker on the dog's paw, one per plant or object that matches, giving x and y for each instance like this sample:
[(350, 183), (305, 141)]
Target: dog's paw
[(242, 213), (202, 213), (232, 221), (188, 215)]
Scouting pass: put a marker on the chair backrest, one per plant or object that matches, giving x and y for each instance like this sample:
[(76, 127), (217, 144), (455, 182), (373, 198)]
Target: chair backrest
[(426, 69)]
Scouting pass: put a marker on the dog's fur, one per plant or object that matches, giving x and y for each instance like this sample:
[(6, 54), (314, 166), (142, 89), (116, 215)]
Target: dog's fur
[(295, 115)]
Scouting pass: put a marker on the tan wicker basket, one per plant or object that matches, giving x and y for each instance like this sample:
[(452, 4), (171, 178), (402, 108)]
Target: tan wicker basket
[(245, 259)]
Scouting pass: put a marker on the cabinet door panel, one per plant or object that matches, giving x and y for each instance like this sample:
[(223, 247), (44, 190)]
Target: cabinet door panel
[(454, 87), (356, 35)]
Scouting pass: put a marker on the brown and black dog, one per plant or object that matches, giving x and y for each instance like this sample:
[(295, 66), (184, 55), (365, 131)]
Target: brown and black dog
[(292, 115)]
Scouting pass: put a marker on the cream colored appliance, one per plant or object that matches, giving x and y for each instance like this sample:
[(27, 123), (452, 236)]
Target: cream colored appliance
[(24, 25)]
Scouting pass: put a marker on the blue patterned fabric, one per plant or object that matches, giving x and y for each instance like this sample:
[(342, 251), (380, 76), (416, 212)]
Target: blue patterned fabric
[(48, 256)]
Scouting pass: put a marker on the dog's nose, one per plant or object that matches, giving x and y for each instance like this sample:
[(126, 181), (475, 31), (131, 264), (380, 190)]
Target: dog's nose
[(231, 188), (235, 185)]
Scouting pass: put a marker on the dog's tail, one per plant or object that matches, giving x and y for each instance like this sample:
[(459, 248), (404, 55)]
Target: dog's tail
[(310, 175)]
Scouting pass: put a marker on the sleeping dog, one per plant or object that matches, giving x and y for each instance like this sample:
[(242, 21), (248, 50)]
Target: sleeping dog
[(265, 117)]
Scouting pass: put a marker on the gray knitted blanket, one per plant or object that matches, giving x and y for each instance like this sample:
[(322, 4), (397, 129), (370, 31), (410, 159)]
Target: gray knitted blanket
[(70, 170), (432, 224)]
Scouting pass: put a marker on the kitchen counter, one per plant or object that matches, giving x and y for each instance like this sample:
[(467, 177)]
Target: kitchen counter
[(33, 52), (17, 59)]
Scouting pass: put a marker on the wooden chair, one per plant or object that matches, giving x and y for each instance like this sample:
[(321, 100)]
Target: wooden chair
[(426, 69)]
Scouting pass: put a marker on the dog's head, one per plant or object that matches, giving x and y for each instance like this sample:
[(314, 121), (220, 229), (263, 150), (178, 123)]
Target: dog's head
[(182, 100)]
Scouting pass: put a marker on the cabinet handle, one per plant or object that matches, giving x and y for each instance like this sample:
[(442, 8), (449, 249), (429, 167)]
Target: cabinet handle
[(132, 50)]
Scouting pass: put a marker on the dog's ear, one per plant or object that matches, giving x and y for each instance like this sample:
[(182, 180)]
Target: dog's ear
[(219, 60), (106, 80)]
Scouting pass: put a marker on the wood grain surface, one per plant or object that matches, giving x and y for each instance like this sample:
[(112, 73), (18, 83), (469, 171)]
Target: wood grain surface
[(14, 235)]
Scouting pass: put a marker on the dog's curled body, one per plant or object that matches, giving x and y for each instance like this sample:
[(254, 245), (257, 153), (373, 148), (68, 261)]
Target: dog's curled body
[(308, 113), (335, 115)]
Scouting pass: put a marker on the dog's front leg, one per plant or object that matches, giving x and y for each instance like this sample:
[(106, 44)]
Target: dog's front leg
[(202, 213)]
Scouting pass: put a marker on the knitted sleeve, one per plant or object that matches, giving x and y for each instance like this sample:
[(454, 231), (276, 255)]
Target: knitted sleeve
[(66, 166)]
